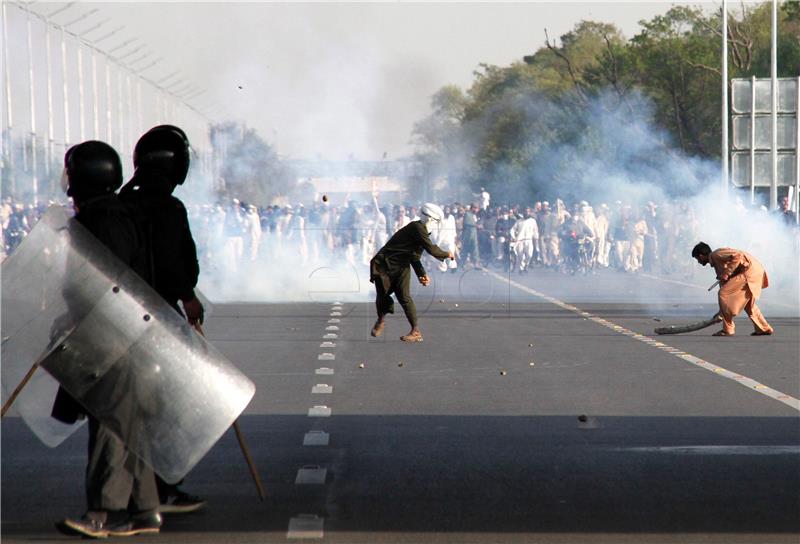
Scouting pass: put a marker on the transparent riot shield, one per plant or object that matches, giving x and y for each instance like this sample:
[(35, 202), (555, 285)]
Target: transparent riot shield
[(35, 319), (122, 352)]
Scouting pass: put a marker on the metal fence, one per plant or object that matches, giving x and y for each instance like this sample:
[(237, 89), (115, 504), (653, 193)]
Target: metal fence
[(72, 74)]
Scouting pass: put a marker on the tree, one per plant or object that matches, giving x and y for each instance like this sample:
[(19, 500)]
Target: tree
[(250, 168), (545, 122)]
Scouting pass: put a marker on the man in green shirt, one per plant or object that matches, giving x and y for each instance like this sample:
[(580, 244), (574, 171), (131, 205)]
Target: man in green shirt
[(389, 268)]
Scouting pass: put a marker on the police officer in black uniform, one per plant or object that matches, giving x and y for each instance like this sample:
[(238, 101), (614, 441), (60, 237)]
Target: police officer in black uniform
[(120, 488), (161, 161)]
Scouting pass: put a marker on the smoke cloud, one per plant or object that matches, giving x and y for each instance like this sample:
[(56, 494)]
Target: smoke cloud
[(618, 159)]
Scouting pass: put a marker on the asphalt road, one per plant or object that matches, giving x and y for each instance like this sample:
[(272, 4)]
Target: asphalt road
[(476, 434)]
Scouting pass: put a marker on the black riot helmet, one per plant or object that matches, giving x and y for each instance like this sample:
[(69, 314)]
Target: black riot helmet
[(92, 169), (164, 149)]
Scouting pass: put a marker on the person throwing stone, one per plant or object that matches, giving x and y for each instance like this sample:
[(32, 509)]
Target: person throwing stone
[(389, 268)]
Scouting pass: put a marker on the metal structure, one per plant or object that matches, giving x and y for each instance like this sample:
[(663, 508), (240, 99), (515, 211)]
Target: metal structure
[(725, 161), (98, 86), (763, 156)]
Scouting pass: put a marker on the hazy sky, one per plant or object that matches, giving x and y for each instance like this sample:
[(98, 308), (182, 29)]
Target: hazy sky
[(334, 79)]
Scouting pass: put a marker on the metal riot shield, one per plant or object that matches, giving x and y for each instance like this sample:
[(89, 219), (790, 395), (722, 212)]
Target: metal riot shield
[(117, 347)]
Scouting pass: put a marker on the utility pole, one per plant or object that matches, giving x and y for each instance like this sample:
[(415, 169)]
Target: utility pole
[(32, 90), (725, 151), (773, 188), (67, 136), (50, 128), (8, 142)]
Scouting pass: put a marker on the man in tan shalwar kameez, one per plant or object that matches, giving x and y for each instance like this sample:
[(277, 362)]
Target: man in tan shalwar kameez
[(741, 278)]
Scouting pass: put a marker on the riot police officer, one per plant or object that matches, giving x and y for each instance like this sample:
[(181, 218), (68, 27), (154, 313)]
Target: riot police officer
[(120, 488), (161, 161)]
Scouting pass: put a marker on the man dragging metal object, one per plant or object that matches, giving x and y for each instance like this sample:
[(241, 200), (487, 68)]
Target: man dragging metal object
[(741, 278), (390, 273)]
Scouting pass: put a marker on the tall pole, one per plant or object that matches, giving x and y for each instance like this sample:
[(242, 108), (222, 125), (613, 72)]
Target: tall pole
[(95, 99), (34, 178), (51, 137), (108, 102), (8, 136), (129, 113), (796, 201), (81, 105), (753, 140), (773, 188), (120, 112), (67, 137), (725, 153), (138, 107)]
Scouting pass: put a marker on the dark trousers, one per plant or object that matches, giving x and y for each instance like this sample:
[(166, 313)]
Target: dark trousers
[(400, 286), (117, 479)]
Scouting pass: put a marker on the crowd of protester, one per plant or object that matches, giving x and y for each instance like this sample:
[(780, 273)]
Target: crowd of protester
[(654, 237), (16, 221)]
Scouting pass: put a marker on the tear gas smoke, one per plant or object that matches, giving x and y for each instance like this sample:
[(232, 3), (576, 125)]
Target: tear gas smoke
[(620, 159)]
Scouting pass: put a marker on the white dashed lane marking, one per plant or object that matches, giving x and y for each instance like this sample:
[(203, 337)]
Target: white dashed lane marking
[(311, 526), (311, 475), (750, 383), (316, 438), (306, 526), (322, 389)]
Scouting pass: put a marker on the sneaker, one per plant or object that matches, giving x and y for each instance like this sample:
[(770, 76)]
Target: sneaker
[(181, 503), (377, 329), (761, 333), (143, 524), (722, 333), (413, 336), (85, 526)]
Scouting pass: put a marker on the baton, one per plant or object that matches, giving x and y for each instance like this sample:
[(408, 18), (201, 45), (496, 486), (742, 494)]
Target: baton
[(240, 437), (714, 285), (29, 375), (19, 388)]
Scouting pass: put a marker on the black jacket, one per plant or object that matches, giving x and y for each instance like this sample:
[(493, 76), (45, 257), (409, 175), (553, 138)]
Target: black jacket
[(171, 253), (404, 248)]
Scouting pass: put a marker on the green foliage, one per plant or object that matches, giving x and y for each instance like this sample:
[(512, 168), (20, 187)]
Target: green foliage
[(520, 128)]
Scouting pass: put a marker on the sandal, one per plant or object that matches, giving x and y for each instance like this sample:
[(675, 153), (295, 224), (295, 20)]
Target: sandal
[(377, 329), (413, 336), (722, 333)]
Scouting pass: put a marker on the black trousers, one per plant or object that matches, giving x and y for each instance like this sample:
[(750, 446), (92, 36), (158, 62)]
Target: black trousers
[(400, 286)]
